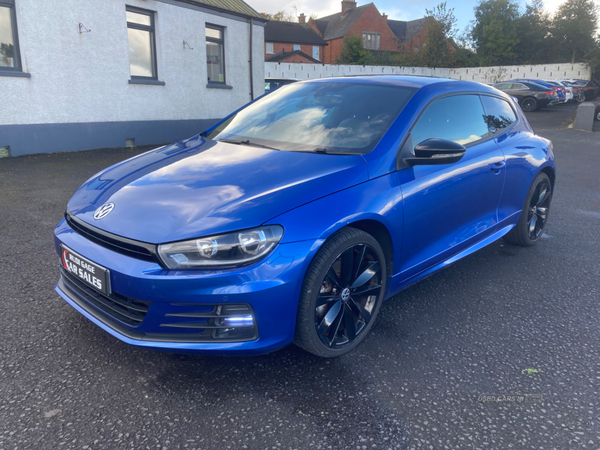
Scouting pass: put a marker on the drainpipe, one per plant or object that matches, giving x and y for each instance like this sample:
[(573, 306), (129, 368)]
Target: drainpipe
[(250, 61)]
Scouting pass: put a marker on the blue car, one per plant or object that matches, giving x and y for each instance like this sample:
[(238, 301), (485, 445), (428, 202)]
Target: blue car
[(291, 220)]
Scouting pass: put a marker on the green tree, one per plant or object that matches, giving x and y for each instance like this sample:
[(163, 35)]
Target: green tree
[(592, 59), (574, 27), (494, 31), (435, 49), (280, 16), (464, 57), (533, 31), (445, 17), (353, 51)]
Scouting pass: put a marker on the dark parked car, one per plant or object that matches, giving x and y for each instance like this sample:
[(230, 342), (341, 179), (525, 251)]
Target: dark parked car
[(591, 89), (273, 83), (562, 95), (531, 96)]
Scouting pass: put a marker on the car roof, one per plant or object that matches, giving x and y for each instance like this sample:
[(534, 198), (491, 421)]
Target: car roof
[(281, 79), (409, 81)]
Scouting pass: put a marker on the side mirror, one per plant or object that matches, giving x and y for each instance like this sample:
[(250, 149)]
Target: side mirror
[(436, 152)]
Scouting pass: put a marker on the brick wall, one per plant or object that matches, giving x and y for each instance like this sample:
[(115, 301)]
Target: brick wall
[(372, 20), (417, 42), (333, 51), (279, 47)]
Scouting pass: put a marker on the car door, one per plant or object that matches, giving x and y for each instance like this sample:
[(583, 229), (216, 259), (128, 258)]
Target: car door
[(448, 208), (520, 91), (516, 147)]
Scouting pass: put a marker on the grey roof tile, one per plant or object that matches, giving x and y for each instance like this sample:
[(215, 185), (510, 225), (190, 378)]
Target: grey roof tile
[(235, 6), (338, 25), (281, 56), (291, 32), (414, 26), (398, 27)]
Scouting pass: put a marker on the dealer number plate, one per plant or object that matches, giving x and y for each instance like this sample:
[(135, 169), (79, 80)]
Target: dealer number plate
[(83, 269)]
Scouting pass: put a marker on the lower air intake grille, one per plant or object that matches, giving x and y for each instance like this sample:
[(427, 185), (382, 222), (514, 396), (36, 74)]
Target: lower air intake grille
[(124, 309)]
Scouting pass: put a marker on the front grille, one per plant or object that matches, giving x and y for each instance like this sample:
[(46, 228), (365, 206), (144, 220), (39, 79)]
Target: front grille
[(128, 247), (124, 309)]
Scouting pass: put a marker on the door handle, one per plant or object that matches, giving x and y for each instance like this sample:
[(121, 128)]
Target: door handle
[(496, 167)]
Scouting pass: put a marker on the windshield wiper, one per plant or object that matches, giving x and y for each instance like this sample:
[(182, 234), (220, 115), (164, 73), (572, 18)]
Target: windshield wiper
[(246, 142), (329, 152)]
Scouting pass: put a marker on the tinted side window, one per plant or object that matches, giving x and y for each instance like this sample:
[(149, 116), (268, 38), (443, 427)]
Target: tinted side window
[(519, 86), (459, 118), (498, 113), (502, 86)]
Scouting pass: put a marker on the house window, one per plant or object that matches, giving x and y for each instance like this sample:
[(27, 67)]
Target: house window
[(9, 44), (215, 54), (316, 51), (142, 44), (371, 40), (270, 47), (296, 47)]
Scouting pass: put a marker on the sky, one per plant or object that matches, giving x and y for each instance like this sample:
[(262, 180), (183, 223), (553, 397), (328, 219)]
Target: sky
[(398, 10)]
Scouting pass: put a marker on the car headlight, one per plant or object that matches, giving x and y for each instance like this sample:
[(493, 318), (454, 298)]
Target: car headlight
[(231, 249)]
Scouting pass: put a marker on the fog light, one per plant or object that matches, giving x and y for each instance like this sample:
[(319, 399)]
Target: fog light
[(235, 322)]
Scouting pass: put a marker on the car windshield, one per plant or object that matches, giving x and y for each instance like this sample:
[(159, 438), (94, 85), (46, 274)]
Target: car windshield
[(328, 117)]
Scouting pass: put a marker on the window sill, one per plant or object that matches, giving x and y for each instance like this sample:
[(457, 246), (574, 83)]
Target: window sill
[(152, 82), (218, 86), (11, 73)]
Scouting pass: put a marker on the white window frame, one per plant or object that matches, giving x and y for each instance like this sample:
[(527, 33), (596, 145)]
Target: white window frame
[(316, 52), (270, 49), (297, 47)]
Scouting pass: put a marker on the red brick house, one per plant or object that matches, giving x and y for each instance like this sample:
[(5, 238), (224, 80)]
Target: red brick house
[(410, 34), (378, 33), (293, 42)]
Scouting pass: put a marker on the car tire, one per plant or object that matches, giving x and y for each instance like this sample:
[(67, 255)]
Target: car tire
[(529, 104), (341, 294), (598, 115), (530, 227)]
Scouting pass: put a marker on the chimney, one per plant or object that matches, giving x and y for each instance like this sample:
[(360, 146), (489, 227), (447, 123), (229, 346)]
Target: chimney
[(384, 15), (348, 5), (302, 18)]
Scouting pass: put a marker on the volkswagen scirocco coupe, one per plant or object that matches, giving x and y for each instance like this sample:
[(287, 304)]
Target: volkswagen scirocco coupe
[(291, 220)]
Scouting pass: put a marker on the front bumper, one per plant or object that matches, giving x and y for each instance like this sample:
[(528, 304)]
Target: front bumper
[(270, 288)]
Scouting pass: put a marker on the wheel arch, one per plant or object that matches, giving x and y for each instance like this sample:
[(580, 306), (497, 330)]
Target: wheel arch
[(551, 174), (382, 235)]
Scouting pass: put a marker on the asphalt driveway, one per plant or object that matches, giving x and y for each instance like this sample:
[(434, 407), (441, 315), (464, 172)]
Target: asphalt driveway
[(417, 382)]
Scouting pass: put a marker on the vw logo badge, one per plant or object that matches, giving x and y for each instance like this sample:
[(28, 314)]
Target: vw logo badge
[(346, 294), (104, 211)]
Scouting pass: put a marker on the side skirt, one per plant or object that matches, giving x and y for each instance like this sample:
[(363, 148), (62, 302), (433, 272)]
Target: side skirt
[(399, 286)]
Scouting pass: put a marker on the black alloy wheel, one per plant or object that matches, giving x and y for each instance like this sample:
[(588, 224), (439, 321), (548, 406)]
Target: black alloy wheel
[(530, 227), (539, 206), (342, 294), (529, 104), (347, 296)]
